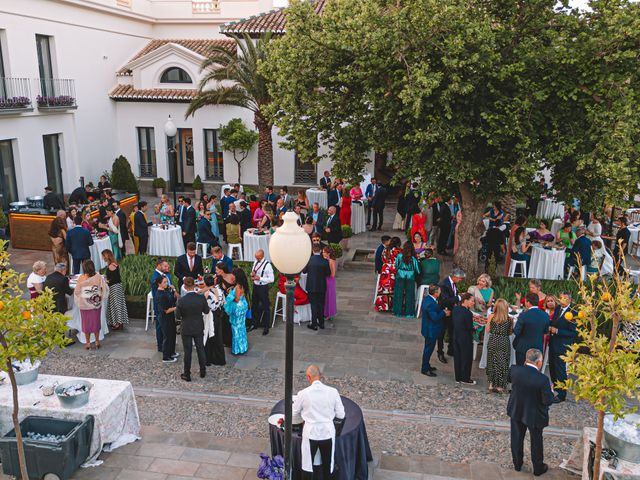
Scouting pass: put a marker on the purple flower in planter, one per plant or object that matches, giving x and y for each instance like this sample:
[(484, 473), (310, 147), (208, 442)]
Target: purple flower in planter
[(56, 101), (271, 469), (14, 102)]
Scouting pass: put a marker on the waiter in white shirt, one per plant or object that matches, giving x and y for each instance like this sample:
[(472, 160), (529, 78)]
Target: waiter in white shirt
[(317, 405), (262, 276)]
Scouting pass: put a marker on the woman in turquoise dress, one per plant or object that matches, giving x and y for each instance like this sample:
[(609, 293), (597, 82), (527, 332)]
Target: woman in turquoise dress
[(215, 229), (113, 230), (404, 295), (165, 210), (236, 307), (483, 298)]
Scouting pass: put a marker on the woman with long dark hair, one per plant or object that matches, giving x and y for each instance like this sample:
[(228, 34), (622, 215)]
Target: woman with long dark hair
[(166, 316), (58, 234), (330, 299), (117, 314), (384, 295), (404, 295), (214, 347)]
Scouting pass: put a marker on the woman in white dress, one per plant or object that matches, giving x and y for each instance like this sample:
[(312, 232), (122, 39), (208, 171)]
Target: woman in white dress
[(594, 230), (113, 226), (35, 281)]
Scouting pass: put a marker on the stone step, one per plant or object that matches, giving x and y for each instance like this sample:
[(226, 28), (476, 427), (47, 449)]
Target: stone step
[(359, 266)]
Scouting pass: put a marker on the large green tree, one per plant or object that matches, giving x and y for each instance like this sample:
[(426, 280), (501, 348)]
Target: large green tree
[(232, 78), (476, 93)]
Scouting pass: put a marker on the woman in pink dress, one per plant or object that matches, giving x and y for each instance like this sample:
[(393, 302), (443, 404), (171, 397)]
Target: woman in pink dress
[(89, 294), (330, 299), (345, 209), (356, 193)]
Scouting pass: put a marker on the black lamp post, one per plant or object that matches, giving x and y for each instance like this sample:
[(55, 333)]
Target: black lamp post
[(170, 131), (289, 249)]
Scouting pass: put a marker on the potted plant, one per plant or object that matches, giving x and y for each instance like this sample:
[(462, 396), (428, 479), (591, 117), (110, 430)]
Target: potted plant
[(197, 187), (159, 184), (347, 233), (28, 331)]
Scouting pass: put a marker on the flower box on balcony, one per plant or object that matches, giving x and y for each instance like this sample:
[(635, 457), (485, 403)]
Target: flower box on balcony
[(58, 101), (14, 102)]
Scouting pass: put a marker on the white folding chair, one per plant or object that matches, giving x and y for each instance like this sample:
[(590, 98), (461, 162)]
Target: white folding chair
[(232, 247), (375, 292), (475, 349), (421, 291), (202, 249), (281, 298), (150, 315), (583, 272), (514, 264)]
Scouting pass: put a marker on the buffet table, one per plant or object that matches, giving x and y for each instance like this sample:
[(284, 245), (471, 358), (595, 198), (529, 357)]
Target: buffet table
[(166, 243), (252, 243), (112, 404), (29, 228), (550, 209), (314, 195), (358, 219), (352, 451), (547, 264)]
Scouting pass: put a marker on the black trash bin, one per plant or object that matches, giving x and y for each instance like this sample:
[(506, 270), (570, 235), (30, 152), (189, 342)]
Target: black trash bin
[(59, 458)]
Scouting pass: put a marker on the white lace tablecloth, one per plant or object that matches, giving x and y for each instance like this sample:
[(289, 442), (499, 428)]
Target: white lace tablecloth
[(252, 243), (166, 243), (112, 404), (320, 196), (358, 219), (578, 461), (550, 209), (556, 225), (75, 322), (99, 244), (546, 264)]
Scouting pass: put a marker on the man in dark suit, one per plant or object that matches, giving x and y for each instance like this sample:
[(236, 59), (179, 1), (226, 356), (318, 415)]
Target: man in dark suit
[(530, 328), (333, 228), (141, 227), (205, 235), (333, 198), (377, 204), (384, 243), (246, 220), (319, 218), (124, 231), (302, 218), (59, 284), (449, 298), (563, 335), (77, 243), (317, 272), (162, 270), (188, 223), (581, 250), (189, 310), (188, 265), (269, 196), (445, 227), (179, 211), (218, 256), (434, 234), (52, 200), (287, 200), (79, 195), (528, 408), (432, 326), (325, 181), (369, 193), (462, 321), (412, 200)]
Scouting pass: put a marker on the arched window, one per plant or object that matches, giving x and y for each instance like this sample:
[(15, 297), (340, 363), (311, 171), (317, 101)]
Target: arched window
[(175, 75)]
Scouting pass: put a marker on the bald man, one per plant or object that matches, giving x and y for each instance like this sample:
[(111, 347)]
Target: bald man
[(317, 405), (262, 276)]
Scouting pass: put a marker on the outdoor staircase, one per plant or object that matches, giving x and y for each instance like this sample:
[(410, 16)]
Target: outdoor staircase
[(360, 260)]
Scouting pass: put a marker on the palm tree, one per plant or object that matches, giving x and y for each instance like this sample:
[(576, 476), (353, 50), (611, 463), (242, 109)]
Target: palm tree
[(247, 90)]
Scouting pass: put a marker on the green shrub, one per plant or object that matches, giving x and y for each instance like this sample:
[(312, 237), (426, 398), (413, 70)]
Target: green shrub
[(197, 183), (337, 249), (347, 231), (122, 177), (159, 182), (3, 220)]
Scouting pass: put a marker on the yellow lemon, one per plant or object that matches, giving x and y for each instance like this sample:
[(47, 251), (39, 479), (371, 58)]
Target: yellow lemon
[(568, 316), (582, 315)]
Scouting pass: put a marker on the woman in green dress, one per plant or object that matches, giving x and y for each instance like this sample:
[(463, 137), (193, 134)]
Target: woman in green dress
[(566, 236), (483, 298), (429, 268), (404, 295)]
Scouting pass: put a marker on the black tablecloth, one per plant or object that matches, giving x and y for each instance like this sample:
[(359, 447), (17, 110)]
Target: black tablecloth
[(352, 450)]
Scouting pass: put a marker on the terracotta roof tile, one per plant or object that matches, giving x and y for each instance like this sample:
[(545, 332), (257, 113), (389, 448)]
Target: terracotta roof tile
[(200, 46), (273, 21), (128, 93)]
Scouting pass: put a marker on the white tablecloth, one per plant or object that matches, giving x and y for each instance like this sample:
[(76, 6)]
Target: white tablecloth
[(635, 233), (166, 243), (546, 264), (556, 225), (99, 244), (75, 323), (358, 220), (550, 209), (252, 243), (319, 196), (112, 404)]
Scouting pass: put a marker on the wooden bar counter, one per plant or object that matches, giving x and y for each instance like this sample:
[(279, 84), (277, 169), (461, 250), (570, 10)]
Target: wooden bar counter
[(30, 228)]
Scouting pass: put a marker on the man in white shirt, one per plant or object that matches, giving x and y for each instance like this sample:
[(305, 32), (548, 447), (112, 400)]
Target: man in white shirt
[(262, 276), (317, 405)]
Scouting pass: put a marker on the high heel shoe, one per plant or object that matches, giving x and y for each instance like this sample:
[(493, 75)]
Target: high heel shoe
[(87, 346), (98, 345)]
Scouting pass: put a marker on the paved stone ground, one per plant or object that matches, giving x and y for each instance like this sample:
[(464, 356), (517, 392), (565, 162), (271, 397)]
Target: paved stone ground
[(419, 427)]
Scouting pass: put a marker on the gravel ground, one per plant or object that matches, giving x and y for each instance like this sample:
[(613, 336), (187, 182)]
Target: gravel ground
[(447, 400), (458, 445)]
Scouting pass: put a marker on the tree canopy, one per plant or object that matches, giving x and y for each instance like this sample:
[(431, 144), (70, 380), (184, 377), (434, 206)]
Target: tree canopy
[(237, 139), (477, 93)]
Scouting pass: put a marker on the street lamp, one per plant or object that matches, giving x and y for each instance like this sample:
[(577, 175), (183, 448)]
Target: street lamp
[(289, 249), (170, 131)]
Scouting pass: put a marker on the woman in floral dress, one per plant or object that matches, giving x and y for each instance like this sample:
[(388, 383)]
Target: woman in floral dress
[(236, 307), (384, 295)]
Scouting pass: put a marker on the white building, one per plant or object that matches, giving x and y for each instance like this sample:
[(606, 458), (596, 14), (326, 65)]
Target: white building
[(83, 81)]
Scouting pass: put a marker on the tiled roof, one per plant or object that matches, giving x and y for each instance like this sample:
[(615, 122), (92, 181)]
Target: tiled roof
[(130, 94), (273, 21), (200, 47)]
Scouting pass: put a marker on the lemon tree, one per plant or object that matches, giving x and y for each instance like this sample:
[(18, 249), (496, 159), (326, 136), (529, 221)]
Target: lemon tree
[(29, 329)]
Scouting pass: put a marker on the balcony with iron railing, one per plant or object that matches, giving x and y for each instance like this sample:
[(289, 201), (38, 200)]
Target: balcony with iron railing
[(55, 94), (15, 95)]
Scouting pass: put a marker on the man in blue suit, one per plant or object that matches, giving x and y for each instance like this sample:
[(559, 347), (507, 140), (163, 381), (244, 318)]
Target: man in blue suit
[(205, 235), (563, 335), (369, 193), (218, 256), (581, 249), (162, 270), (528, 408), (530, 328), (77, 243), (378, 257), (432, 327)]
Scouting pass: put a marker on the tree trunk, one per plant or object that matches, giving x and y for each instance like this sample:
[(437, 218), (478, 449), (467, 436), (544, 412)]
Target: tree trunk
[(469, 232), (509, 205), (598, 452), (265, 151), (239, 180)]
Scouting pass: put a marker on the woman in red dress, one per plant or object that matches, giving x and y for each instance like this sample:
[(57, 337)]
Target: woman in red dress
[(384, 295), (418, 222), (345, 208)]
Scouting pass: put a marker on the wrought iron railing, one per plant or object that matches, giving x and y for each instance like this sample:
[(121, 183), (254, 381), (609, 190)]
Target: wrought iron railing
[(306, 176), (56, 93), (148, 170), (14, 93)]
